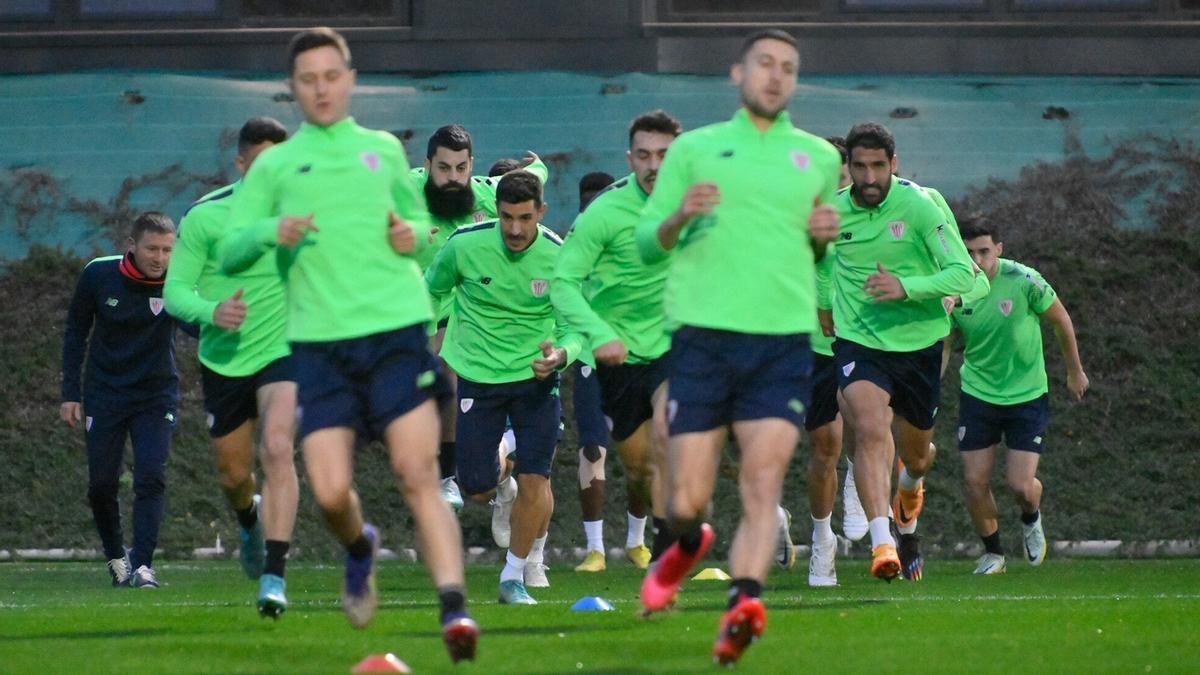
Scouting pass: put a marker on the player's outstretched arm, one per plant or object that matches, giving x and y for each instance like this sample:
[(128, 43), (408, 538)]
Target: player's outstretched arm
[(1077, 380), (442, 275), (80, 316), (576, 260), (187, 263)]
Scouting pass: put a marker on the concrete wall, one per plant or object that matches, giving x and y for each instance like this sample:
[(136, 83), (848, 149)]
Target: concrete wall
[(88, 133)]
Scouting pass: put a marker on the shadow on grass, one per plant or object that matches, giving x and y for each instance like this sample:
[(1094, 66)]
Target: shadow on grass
[(89, 634), (720, 606)]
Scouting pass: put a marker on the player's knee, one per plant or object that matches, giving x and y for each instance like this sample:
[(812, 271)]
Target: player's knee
[(234, 471), (975, 485), (278, 448), (332, 496), (1022, 486), (150, 483), (591, 464)]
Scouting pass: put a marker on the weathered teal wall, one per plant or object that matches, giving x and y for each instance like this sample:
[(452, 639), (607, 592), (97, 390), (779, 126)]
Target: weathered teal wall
[(87, 136)]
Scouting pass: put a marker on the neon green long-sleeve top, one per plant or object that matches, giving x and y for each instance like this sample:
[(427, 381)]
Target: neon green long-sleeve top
[(344, 280)]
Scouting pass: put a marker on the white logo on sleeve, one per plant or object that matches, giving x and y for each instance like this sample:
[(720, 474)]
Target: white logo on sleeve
[(87, 423), (156, 306), (1006, 307), (465, 404), (539, 286), (586, 371), (210, 420), (848, 368), (962, 433)]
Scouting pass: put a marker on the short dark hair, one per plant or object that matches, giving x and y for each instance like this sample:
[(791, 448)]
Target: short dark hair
[(503, 166), (313, 38), (258, 130), (768, 34), (591, 184), (871, 136), (839, 143), (518, 187), (151, 221), (656, 121), (452, 137), (978, 225)]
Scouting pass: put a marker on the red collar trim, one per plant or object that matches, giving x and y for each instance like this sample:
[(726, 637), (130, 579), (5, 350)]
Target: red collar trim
[(129, 268)]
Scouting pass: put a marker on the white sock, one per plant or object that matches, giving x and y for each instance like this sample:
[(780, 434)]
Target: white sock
[(907, 482), (880, 532), (821, 529), (637, 531), (506, 490), (514, 569), (781, 515), (594, 529), (539, 545)]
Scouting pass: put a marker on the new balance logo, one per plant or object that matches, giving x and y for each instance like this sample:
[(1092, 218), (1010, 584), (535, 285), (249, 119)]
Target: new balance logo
[(304, 169), (727, 154), (112, 302), (485, 281)]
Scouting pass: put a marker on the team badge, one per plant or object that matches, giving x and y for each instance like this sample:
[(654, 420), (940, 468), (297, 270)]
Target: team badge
[(672, 410), (1005, 307), (465, 404), (539, 286), (800, 159), (962, 433), (478, 216), (156, 306), (896, 227), (586, 371), (848, 368), (87, 423), (371, 161)]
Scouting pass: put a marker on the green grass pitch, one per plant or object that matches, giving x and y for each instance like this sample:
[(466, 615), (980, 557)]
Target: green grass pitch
[(1086, 616)]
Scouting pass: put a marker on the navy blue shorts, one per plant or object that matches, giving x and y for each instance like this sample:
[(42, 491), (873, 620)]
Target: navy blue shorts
[(364, 383), (589, 416), (231, 401), (1022, 425), (627, 392), (530, 406), (913, 379), (824, 406), (720, 377)]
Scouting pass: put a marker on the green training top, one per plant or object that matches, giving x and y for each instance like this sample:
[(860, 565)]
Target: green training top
[(501, 311), (484, 188), (196, 285), (981, 286), (747, 266), (1003, 361), (343, 281), (910, 236), (601, 286)]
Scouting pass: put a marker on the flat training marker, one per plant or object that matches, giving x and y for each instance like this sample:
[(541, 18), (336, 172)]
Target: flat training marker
[(711, 574), (592, 603)]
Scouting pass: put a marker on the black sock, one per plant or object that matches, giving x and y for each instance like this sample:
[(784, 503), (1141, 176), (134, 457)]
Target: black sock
[(991, 543), (360, 548), (662, 538), (743, 586), (1030, 518), (247, 517), (446, 462), (276, 557), (691, 539), (453, 599)]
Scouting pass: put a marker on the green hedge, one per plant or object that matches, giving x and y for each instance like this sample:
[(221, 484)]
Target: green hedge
[(1117, 236)]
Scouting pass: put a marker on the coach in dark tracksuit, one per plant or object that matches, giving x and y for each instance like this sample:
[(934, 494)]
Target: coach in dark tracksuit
[(131, 388)]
